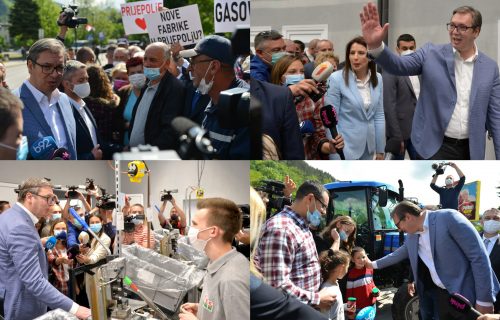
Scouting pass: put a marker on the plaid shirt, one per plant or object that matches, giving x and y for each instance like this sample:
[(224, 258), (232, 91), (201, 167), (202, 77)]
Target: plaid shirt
[(59, 271), (287, 258), (308, 110)]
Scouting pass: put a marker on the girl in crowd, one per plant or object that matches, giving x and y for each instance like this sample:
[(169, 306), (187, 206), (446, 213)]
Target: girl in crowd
[(360, 280), (289, 70), (334, 265), (356, 93), (58, 257)]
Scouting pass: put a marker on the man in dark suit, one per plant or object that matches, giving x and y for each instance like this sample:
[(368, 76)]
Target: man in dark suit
[(25, 291), (400, 98), (195, 104), (279, 119), (491, 225), (161, 100), (322, 46)]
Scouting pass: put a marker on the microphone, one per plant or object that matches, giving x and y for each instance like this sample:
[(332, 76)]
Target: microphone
[(83, 237), (306, 128), (329, 119), (195, 141), (463, 305), (87, 228), (61, 154), (320, 74), (43, 148), (50, 243)]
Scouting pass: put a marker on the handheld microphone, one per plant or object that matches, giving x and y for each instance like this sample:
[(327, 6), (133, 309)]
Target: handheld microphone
[(463, 305), (61, 154), (87, 228), (195, 141), (306, 128), (50, 243), (329, 119), (43, 148), (83, 237), (320, 74)]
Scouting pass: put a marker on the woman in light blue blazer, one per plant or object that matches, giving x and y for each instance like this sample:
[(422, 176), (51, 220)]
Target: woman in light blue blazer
[(356, 94)]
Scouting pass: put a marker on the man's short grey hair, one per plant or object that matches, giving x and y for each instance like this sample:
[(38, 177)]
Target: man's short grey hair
[(32, 185), (71, 67), (10, 109), (119, 49), (165, 47), (51, 45)]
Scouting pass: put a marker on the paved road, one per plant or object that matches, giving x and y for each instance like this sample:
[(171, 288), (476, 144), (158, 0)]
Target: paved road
[(17, 72)]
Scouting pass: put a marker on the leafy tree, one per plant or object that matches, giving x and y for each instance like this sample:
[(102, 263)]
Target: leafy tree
[(48, 13), (25, 22)]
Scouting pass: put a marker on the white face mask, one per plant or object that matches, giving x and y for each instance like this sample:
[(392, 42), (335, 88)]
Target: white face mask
[(203, 86), (82, 90), (448, 182), (407, 52), (491, 226), (198, 244), (137, 80)]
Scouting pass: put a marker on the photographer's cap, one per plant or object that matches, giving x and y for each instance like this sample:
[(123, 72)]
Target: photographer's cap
[(213, 46)]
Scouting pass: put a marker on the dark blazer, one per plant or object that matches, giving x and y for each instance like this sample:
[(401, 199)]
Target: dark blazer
[(167, 104), (198, 113), (495, 265), (84, 143), (399, 106), (279, 118), (308, 70)]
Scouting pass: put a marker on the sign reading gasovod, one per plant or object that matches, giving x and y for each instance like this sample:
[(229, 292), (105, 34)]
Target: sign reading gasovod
[(133, 15), (228, 14), (181, 25)]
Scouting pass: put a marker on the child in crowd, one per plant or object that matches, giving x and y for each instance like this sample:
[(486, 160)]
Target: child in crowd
[(360, 280), (58, 257), (334, 265)]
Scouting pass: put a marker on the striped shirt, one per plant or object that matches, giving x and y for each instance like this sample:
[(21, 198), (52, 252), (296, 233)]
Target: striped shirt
[(140, 236), (287, 258), (360, 285)]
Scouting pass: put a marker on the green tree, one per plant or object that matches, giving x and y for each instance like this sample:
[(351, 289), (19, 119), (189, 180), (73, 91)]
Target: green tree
[(48, 13), (25, 22)]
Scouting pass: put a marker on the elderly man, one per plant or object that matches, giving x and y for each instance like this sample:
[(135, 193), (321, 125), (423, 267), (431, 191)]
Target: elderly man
[(490, 220), (47, 112), (11, 127), (24, 287), (212, 63), (159, 103)]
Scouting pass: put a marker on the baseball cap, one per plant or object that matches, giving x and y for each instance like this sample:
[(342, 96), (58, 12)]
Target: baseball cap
[(213, 46)]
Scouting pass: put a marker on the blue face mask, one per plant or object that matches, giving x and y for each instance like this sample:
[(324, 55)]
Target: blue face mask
[(96, 227), (277, 55), (56, 216), (77, 224), (153, 73), (314, 218), (22, 150), (293, 79), (343, 235)]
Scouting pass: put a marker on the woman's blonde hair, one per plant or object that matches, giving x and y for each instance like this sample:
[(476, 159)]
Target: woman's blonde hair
[(347, 245), (257, 219)]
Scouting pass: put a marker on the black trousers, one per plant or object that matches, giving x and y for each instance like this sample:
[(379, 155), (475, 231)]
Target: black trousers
[(451, 149)]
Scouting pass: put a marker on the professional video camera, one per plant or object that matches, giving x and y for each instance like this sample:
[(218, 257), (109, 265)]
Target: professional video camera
[(72, 193), (166, 195), (89, 184), (129, 225), (106, 202), (245, 216), (274, 190), (440, 167), (71, 20)]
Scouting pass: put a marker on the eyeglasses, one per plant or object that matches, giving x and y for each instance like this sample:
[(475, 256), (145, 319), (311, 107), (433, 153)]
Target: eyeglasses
[(323, 206), (460, 29), (51, 199), (193, 63), (49, 69), (397, 224)]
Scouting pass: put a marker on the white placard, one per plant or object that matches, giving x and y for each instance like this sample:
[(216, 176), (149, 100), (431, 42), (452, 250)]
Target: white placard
[(228, 14), (133, 15), (181, 25)]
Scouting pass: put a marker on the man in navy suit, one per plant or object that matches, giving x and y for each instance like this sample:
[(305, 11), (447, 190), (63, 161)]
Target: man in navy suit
[(446, 256), (490, 221), (460, 92), (24, 287)]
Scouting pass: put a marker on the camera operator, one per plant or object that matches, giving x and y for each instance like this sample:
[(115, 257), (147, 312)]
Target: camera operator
[(135, 214), (177, 216), (448, 194), (212, 62)]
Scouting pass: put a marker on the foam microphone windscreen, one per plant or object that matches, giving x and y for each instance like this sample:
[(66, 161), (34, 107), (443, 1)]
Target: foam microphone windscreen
[(50, 243), (183, 125), (322, 71), (328, 116), (306, 127), (43, 148), (83, 237)]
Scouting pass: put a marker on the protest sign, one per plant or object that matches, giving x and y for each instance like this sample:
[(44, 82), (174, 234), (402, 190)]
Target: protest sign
[(228, 14), (133, 15)]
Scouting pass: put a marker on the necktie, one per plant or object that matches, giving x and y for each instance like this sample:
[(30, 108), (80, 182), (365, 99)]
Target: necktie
[(487, 243)]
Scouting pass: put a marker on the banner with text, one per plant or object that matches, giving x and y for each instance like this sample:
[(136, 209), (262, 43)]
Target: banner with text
[(468, 200), (228, 14), (181, 25), (133, 15)]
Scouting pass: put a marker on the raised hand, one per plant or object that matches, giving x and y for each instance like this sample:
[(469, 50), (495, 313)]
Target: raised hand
[(372, 31)]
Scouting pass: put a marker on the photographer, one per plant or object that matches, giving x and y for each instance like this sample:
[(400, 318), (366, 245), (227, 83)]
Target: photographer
[(177, 216), (448, 194), (139, 234)]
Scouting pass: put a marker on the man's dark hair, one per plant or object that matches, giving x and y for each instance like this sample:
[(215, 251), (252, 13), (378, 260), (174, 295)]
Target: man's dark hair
[(111, 48), (264, 36), (3, 203), (406, 207), (301, 44), (314, 187), (10, 109), (477, 19), (405, 37)]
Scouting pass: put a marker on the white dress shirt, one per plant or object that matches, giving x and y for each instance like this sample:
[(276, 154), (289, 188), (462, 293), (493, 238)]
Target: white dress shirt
[(363, 86), (50, 113), (415, 83), (491, 243), (90, 125)]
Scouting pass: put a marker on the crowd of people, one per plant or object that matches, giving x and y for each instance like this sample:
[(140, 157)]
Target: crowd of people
[(85, 110), (425, 102), (41, 241), (300, 271)]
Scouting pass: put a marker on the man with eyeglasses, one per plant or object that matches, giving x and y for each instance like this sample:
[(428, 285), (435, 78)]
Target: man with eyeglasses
[(287, 256), (490, 221), (47, 112), (446, 256), (24, 289), (460, 87)]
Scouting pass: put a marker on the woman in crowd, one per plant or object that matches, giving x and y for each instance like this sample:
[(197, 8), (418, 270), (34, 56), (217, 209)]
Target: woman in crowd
[(119, 76), (356, 93), (103, 104), (327, 56), (339, 234), (129, 93), (58, 258), (287, 71)]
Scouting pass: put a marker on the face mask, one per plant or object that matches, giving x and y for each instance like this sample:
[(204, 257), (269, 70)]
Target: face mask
[(343, 235), (198, 244), (407, 52), (314, 218), (448, 182), (96, 227), (293, 79), (115, 63), (77, 224), (56, 216), (153, 73), (136, 221), (203, 86), (491, 226), (118, 84), (137, 80), (21, 151), (276, 56), (60, 234), (82, 90)]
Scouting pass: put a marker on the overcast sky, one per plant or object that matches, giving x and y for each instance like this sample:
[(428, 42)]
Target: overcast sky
[(417, 176)]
